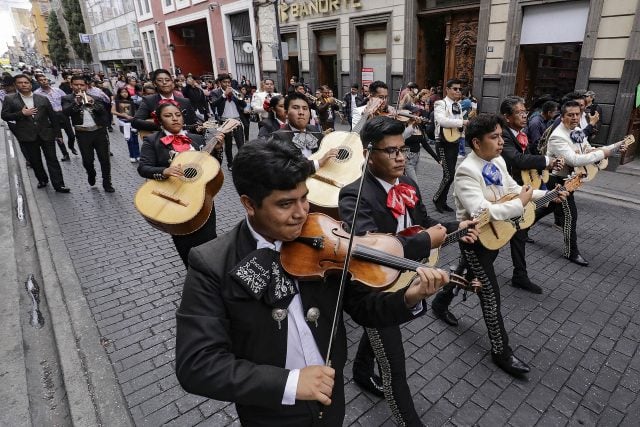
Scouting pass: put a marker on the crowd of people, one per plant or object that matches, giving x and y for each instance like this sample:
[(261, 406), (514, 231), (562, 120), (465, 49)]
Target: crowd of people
[(247, 331)]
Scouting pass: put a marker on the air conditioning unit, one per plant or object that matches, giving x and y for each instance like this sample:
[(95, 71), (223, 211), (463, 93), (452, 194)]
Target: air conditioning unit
[(188, 33)]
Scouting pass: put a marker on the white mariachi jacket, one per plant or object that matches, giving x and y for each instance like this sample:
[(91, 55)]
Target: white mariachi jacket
[(471, 193), (444, 117), (561, 145)]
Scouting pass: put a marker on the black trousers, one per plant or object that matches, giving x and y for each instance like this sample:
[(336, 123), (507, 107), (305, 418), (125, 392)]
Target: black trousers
[(65, 123), (98, 141), (518, 253), (479, 262), (31, 151), (202, 235), (448, 152), (238, 135), (385, 345), (568, 211)]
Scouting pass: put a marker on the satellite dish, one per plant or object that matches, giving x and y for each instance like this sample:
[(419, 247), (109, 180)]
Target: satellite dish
[(247, 47)]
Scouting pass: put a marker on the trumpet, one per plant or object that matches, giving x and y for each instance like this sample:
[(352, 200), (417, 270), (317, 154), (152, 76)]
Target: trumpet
[(340, 103), (311, 97)]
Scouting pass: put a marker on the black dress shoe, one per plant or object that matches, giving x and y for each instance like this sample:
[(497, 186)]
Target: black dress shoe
[(370, 383), (91, 179), (42, 184), (511, 365), (230, 167), (62, 189), (447, 208), (65, 158), (109, 189), (529, 240), (28, 164), (73, 150), (527, 286), (438, 206), (446, 316), (577, 259)]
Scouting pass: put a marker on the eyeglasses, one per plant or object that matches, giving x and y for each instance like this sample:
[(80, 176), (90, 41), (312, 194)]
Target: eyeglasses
[(520, 113), (394, 151), (455, 89)]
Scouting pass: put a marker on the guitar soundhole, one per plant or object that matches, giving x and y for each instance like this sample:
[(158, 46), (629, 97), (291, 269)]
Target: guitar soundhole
[(344, 154), (191, 173)]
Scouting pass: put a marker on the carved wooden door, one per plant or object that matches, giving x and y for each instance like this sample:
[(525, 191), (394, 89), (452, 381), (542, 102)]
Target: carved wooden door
[(460, 40)]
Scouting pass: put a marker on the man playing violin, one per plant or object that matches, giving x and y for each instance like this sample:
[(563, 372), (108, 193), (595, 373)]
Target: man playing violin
[(249, 333), (391, 202), (379, 90), (480, 181)]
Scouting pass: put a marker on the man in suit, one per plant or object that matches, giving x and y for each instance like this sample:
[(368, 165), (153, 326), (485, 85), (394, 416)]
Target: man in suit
[(352, 100), (447, 114), (90, 119), (299, 133), (55, 95), (571, 143), (480, 180), (390, 202), (35, 128), (228, 105), (165, 91), (249, 333)]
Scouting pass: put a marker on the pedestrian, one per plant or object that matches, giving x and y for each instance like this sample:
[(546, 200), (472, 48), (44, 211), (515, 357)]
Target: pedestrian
[(90, 119), (35, 128), (228, 105), (55, 98), (277, 117), (124, 109)]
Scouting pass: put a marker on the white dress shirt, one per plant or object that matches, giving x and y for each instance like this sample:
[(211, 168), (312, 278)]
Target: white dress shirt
[(302, 350), (404, 221), (444, 117)]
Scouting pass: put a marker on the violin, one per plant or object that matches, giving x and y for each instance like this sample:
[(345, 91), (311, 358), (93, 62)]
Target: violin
[(377, 259)]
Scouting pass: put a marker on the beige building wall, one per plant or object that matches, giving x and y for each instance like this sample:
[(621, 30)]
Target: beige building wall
[(613, 38), (499, 15)]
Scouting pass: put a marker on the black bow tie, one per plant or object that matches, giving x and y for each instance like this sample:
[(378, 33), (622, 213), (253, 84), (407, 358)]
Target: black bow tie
[(262, 276)]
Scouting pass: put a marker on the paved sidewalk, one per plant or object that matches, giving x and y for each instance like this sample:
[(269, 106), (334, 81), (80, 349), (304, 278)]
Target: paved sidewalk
[(580, 336)]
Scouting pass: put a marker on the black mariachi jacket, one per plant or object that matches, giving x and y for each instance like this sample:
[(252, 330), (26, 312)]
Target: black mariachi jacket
[(156, 157), (27, 129), (516, 159), (228, 347), (374, 216), (98, 110)]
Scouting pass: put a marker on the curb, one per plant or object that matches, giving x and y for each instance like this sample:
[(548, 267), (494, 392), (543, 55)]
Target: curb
[(93, 392), (13, 374)]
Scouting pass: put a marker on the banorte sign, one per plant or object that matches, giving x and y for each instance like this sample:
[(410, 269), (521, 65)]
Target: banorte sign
[(303, 9)]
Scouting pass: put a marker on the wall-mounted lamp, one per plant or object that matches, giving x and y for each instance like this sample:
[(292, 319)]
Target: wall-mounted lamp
[(396, 37), (158, 22), (172, 47), (214, 6)]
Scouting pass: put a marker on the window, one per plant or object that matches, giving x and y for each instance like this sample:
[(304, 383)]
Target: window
[(150, 49), (168, 6), (143, 9), (374, 51)]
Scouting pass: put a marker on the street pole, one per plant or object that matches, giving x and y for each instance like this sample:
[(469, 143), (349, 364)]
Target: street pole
[(280, 67)]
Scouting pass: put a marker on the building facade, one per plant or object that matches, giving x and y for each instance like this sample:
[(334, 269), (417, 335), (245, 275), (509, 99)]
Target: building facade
[(39, 15), (115, 41), (199, 37)]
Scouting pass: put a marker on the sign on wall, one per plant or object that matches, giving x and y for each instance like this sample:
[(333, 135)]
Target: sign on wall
[(367, 76), (309, 8)]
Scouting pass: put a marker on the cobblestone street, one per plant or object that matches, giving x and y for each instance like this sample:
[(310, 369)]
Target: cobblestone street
[(580, 336)]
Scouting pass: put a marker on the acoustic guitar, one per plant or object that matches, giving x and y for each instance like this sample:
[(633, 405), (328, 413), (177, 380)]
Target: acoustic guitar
[(324, 186), (592, 169), (453, 134), (182, 205), (497, 233), (535, 178), (407, 277)]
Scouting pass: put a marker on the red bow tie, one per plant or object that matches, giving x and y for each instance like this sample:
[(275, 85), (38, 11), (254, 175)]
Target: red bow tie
[(169, 101), (400, 197), (179, 142), (522, 140)]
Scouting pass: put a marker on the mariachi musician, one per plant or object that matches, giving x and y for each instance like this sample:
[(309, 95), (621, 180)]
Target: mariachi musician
[(156, 155), (327, 108)]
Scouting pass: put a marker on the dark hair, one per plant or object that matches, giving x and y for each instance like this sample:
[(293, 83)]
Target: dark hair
[(481, 125), (297, 85), (271, 80), (260, 167), (373, 87), (452, 82), (377, 128), (273, 102), (355, 86), (21, 76), (118, 97), (291, 97), (509, 103), (568, 104), (572, 96), (223, 76), (79, 77), (162, 107), (411, 85), (549, 106), (155, 73)]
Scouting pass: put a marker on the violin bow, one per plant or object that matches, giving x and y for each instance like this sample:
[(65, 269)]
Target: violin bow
[(345, 270)]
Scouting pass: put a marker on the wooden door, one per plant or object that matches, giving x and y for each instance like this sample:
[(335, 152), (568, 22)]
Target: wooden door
[(461, 36), (633, 129)]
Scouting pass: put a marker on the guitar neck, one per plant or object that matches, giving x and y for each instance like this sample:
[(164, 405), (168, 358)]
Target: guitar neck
[(547, 198), (363, 119), (454, 236)]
